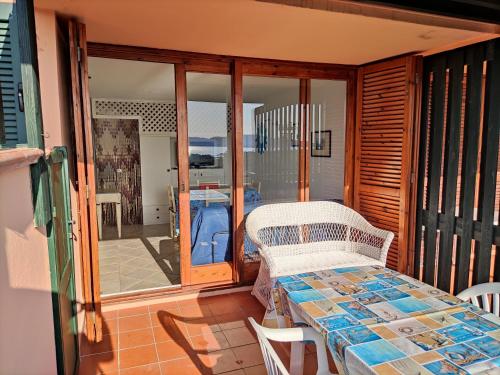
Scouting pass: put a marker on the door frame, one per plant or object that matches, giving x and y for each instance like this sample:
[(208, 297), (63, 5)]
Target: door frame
[(236, 272)]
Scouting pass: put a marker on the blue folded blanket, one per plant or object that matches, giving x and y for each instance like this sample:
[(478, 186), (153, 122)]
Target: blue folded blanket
[(210, 240)]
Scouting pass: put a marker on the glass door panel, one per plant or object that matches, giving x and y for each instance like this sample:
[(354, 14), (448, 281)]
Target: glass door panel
[(210, 167), (135, 135), (327, 119), (271, 140)]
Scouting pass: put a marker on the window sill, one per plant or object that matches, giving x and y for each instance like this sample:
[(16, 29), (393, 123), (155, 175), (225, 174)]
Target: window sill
[(18, 157)]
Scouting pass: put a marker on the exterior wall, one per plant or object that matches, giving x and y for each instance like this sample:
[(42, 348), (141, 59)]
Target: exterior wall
[(54, 89), (26, 325)]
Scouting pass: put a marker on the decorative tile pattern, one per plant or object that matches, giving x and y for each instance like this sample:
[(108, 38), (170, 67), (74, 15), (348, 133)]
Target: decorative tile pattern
[(378, 321)]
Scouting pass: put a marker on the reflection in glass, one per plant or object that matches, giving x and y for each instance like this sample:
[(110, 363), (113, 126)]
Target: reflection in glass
[(327, 139), (210, 167), (271, 135)]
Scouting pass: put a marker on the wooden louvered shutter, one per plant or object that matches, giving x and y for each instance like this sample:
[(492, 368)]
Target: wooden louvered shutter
[(12, 122), (384, 137)]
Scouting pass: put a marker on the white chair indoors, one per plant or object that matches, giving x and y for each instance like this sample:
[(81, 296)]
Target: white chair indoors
[(485, 291), (296, 336)]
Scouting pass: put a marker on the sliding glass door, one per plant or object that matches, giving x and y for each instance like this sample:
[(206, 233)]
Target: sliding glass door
[(326, 123), (271, 142), (210, 176)]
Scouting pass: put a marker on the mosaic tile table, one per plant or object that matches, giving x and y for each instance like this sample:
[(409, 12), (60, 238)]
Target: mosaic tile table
[(378, 321)]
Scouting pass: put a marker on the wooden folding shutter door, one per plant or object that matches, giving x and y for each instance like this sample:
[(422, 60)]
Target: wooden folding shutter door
[(86, 180), (384, 136)]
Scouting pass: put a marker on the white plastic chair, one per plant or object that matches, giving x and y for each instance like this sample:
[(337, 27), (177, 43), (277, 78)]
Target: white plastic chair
[(296, 336), (484, 291)]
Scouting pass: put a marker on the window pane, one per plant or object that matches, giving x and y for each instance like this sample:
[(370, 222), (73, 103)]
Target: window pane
[(271, 144), (327, 139), (210, 167)]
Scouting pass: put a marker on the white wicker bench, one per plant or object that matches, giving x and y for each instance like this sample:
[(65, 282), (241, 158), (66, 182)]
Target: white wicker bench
[(311, 236)]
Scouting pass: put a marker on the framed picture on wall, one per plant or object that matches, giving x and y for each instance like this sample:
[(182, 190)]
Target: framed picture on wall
[(321, 144)]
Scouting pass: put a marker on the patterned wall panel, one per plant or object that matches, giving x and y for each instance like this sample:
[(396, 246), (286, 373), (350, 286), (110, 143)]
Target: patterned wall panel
[(157, 117)]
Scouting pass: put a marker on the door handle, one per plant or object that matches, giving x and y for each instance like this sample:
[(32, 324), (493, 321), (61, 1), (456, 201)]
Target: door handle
[(70, 228)]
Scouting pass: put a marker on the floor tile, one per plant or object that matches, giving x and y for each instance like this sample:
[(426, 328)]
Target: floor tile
[(109, 327), (151, 369), (248, 355), (234, 372), (183, 366), (165, 306), (227, 306), (145, 257), (196, 327), (108, 315), (104, 363), (189, 337), (108, 343), (134, 322), (140, 310), (138, 356), (159, 318), (256, 370), (209, 342), (195, 311), (310, 363), (130, 339), (173, 349), (169, 331), (220, 361), (240, 336), (231, 321)]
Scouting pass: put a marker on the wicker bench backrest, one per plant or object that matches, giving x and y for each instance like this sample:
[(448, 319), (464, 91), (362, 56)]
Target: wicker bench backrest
[(298, 223)]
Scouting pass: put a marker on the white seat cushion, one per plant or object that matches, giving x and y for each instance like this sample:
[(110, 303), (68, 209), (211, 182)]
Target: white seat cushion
[(290, 264)]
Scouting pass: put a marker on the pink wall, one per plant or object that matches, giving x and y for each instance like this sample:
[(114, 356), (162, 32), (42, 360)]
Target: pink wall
[(26, 325)]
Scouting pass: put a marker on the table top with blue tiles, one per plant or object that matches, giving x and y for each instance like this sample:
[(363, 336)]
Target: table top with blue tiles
[(379, 321)]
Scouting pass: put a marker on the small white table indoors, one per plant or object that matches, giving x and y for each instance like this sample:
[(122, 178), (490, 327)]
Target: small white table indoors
[(109, 197)]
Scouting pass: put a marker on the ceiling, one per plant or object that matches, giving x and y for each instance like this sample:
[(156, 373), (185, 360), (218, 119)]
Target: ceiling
[(253, 29)]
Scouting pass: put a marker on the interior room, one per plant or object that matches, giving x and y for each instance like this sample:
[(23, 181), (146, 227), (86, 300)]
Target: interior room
[(133, 110), (135, 140)]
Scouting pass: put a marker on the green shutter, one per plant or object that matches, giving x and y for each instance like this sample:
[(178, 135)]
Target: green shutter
[(12, 121)]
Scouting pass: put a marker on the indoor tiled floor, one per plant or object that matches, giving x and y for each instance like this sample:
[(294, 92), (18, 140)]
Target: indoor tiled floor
[(208, 335), (144, 258)]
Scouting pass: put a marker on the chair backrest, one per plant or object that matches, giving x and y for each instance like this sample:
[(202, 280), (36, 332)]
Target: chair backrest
[(255, 185), (171, 199), (485, 291), (285, 224), (272, 361), (208, 184)]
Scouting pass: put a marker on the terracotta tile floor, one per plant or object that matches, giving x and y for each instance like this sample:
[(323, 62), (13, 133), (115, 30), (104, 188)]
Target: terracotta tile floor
[(208, 335)]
